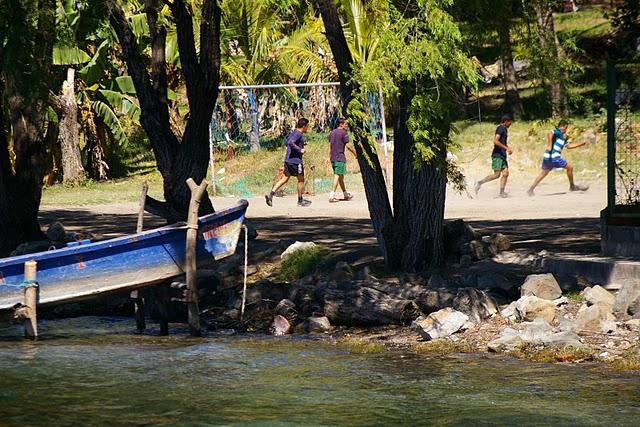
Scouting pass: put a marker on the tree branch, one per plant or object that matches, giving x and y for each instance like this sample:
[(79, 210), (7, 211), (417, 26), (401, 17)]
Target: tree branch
[(158, 63), (188, 57)]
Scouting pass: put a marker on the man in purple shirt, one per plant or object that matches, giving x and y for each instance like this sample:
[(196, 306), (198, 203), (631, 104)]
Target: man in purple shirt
[(293, 162), (338, 140)]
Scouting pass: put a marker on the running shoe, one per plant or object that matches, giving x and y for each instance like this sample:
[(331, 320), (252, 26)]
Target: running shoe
[(269, 199), (304, 202), (579, 187), (333, 200), (348, 197)]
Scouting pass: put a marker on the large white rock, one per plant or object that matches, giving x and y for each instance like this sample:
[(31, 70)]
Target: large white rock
[(440, 324), (536, 332), (543, 286), (598, 295), (596, 318), (296, 247), (531, 307)]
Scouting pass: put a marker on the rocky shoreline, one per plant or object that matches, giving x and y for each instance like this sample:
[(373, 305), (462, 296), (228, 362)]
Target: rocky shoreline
[(476, 303), (472, 305)]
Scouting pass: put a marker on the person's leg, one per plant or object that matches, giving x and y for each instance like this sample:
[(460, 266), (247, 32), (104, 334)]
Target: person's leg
[(341, 182), (503, 181), (540, 177), (301, 201), (269, 197), (345, 194), (300, 186), (572, 185), (336, 180), (488, 178)]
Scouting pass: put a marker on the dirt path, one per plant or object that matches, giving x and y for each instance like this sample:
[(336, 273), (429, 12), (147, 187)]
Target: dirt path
[(555, 219)]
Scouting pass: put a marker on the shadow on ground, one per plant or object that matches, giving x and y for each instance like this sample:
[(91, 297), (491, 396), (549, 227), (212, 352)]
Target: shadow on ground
[(353, 238)]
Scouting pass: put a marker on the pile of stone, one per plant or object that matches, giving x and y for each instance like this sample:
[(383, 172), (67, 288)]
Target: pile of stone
[(57, 237)]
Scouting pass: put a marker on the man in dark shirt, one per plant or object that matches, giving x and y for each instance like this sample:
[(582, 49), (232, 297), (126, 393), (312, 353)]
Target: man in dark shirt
[(338, 140), (499, 163), (293, 162)]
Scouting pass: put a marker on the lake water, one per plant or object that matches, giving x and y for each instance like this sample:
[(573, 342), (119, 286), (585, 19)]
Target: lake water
[(95, 371)]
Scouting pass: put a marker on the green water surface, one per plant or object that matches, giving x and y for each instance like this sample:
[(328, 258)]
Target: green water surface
[(95, 371)]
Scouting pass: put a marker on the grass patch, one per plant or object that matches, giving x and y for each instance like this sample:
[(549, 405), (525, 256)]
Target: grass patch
[(302, 262), (249, 174), (365, 347), (555, 354), (93, 193), (442, 347), (630, 361), (587, 23), (574, 296), (528, 139)]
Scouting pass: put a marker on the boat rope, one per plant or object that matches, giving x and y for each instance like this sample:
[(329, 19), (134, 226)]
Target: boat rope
[(192, 227), (25, 284), (246, 252)]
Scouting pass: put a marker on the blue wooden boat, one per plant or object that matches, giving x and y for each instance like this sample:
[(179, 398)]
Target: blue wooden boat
[(83, 270)]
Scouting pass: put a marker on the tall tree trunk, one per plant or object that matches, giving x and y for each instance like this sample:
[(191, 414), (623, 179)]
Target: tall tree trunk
[(8, 216), (418, 198), (551, 55), (372, 176), (410, 237), (69, 136), (25, 74), (188, 158), (512, 103)]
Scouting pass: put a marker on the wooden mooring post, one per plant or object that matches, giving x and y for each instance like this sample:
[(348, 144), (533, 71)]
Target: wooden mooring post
[(138, 298), (30, 300), (197, 191)]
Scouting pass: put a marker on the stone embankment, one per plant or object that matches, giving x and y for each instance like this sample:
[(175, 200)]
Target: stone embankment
[(473, 301)]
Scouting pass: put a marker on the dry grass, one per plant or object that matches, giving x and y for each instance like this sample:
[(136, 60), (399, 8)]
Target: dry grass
[(442, 347), (629, 361), (554, 354), (366, 347)]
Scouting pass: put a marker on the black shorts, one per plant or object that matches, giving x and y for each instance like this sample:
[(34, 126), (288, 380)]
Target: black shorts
[(293, 169)]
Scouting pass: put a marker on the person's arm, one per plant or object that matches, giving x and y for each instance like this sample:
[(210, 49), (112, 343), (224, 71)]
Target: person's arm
[(353, 151), (497, 143), (294, 147), (348, 146), (550, 141), (575, 145)]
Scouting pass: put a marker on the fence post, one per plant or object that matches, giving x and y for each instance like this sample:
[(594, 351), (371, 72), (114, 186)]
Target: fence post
[(197, 191), (30, 300)]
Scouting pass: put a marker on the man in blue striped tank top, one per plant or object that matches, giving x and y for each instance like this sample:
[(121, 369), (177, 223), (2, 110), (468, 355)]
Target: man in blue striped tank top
[(552, 159)]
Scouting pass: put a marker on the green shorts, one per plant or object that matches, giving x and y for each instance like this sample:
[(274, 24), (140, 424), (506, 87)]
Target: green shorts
[(498, 164), (339, 168)]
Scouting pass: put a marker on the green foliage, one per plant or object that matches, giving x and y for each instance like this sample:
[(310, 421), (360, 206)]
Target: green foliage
[(419, 57), (625, 21), (302, 262)]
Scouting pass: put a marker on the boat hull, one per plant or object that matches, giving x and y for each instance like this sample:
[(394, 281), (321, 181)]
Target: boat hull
[(121, 264)]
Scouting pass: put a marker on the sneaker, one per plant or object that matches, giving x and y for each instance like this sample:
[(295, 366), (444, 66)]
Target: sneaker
[(530, 193), (348, 197), (269, 199), (333, 200), (503, 195), (579, 188), (476, 187), (304, 202)]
